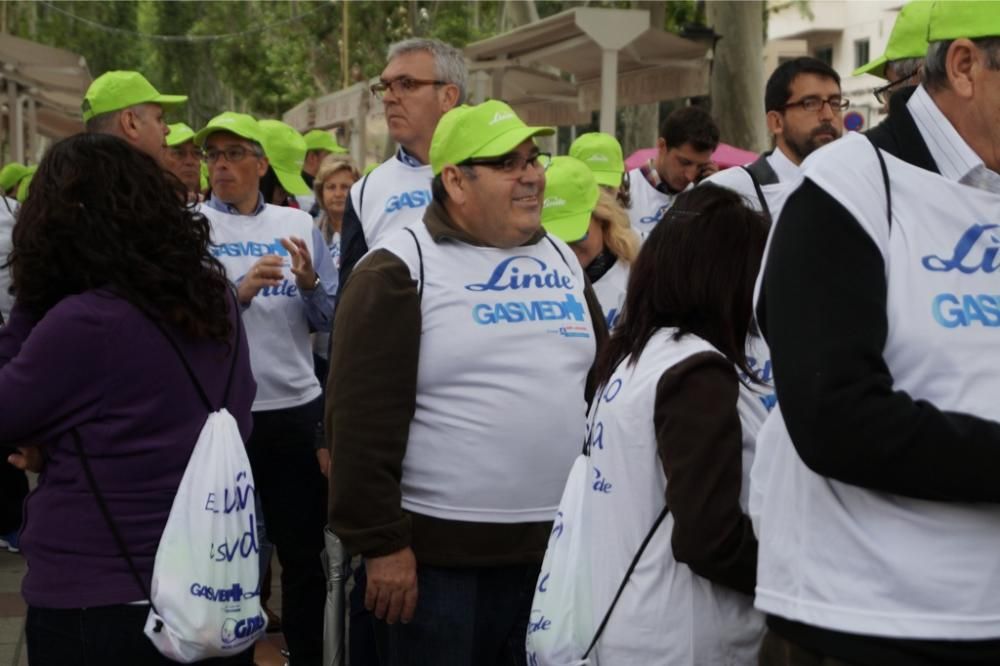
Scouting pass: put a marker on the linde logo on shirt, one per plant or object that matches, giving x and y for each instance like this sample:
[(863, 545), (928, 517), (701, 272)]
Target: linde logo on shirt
[(411, 199), (655, 217), (522, 272), (976, 251), (249, 249)]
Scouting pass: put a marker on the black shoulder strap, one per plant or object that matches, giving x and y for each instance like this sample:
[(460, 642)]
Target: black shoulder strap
[(885, 181), (628, 574), (102, 505), (420, 259), (760, 194), (556, 248), (761, 170), (361, 195)]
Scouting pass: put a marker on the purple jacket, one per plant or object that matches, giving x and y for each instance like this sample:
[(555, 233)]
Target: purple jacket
[(96, 363)]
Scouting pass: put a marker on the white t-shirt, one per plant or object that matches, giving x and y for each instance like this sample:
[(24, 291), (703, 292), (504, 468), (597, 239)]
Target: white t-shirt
[(396, 194), (610, 291), (505, 347), (648, 204)]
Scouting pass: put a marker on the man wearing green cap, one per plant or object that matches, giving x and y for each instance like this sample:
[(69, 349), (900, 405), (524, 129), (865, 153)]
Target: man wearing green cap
[(879, 513), (456, 400), (903, 59), (422, 80), (126, 105), (285, 150), (286, 283), (183, 159)]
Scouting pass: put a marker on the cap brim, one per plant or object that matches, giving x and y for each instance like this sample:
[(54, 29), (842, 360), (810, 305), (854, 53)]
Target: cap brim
[(875, 68), (510, 140), (291, 180), (169, 100), (608, 178), (570, 228), (181, 137), (204, 133)]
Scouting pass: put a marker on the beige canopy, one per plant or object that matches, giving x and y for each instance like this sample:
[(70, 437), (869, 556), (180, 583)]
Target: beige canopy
[(43, 89), (558, 70)]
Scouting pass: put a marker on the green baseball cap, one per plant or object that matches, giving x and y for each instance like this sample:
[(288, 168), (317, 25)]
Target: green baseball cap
[(286, 151), (571, 192), (489, 129), (179, 133), (22, 188), (318, 139), (908, 38), (203, 179), (116, 90), (955, 19), (239, 124), (11, 174), (603, 154)]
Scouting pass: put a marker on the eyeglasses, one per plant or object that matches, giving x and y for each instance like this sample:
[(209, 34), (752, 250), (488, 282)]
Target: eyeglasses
[(512, 163), (191, 151), (882, 93), (814, 104), (402, 85), (232, 154)]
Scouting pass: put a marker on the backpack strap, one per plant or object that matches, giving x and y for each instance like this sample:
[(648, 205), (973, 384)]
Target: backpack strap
[(760, 193), (420, 259), (556, 248), (628, 574), (885, 181), (761, 170)]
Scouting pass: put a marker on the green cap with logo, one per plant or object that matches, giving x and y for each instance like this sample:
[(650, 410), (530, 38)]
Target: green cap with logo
[(11, 173), (490, 129), (113, 91), (22, 188), (571, 192), (318, 139), (239, 124), (956, 19), (179, 133), (603, 154), (908, 38), (286, 151)]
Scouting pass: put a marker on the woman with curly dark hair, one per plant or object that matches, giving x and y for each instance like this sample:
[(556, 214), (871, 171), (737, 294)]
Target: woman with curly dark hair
[(110, 271)]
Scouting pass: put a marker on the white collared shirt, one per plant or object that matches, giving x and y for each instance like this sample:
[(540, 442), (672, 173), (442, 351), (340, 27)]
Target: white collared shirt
[(954, 157)]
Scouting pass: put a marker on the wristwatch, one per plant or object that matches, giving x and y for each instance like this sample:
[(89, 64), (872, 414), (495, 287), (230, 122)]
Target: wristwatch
[(314, 284)]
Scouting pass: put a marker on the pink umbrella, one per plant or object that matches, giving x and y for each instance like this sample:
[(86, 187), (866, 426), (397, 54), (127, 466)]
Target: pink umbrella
[(725, 156)]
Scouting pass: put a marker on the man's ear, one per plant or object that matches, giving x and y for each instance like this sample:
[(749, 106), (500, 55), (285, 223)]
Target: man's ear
[(449, 97), (775, 123), (128, 122), (262, 165), (455, 183), (962, 64)]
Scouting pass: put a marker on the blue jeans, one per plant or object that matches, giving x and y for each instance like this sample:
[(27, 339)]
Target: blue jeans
[(464, 616), (102, 636)]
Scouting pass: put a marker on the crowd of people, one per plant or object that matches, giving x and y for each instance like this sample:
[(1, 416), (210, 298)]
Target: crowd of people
[(755, 402)]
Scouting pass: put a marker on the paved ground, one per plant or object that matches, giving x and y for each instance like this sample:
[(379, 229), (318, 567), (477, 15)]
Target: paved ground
[(12, 609)]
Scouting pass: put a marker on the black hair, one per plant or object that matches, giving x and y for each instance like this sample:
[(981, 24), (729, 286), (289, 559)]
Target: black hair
[(696, 273), (102, 214), (779, 85), (691, 124), (268, 184)]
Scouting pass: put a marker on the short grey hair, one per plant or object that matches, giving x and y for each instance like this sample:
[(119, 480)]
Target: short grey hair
[(449, 63), (905, 68), (935, 67)]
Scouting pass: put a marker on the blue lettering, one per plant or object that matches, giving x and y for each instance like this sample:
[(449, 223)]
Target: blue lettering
[(951, 311), (611, 392), (411, 199), (224, 595), (286, 288), (541, 624), (210, 503), (611, 317), (601, 484), (513, 312), (655, 217), (244, 545), (512, 274), (249, 249), (963, 249), (542, 587), (598, 440), (235, 630), (955, 318)]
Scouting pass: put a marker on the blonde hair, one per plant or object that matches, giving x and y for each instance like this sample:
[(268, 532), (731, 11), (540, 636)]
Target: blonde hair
[(330, 165), (619, 236)]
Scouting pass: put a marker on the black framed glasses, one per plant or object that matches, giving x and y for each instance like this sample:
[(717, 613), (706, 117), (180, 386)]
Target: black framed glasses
[(512, 163), (402, 85), (180, 152), (232, 154), (813, 104), (883, 93)]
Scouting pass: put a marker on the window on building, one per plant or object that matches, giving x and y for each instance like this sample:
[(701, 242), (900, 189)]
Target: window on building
[(860, 52), (825, 53)]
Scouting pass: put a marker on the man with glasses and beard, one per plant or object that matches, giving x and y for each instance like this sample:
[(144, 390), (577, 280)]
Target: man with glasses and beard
[(422, 81), (804, 112), (456, 400)]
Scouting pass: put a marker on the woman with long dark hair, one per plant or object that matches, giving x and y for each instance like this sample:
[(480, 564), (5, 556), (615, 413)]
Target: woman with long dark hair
[(674, 424), (108, 267)]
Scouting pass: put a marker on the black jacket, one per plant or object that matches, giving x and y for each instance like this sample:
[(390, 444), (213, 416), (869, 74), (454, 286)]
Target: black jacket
[(898, 134)]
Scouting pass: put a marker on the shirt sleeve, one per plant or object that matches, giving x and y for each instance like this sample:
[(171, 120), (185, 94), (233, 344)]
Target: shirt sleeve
[(700, 442), (823, 313), (321, 301), (371, 399), (49, 370)]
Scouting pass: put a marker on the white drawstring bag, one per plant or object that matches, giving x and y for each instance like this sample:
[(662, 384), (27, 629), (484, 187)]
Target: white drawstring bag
[(205, 591), (561, 625)]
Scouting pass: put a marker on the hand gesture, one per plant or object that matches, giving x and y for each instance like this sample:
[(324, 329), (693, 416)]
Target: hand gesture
[(302, 265), (266, 272)]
